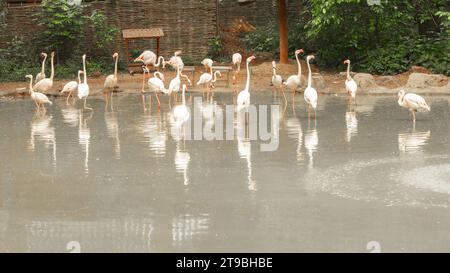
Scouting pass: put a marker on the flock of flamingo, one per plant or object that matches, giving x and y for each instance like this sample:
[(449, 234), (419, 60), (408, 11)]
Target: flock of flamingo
[(157, 86)]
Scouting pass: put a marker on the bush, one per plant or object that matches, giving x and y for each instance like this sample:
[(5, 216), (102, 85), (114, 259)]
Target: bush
[(263, 39)]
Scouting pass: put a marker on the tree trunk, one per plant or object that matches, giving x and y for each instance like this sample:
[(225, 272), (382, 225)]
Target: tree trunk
[(283, 31)]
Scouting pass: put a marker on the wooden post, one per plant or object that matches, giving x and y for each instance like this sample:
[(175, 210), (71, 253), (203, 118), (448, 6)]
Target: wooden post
[(128, 54), (157, 47), (283, 31)]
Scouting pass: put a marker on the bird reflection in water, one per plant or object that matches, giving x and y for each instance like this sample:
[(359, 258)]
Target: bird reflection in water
[(245, 148), (182, 159), (414, 141), (294, 131), (70, 115), (84, 137), (112, 127), (311, 142), (351, 123), (42, 130)]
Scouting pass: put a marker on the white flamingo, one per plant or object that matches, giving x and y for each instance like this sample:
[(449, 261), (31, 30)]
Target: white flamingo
[(350, 84), (294, 81), (237, 59), (175, 83), (243, 99), (46, 84), (41, 75), (83, 88), (208, 79), (310, 93), (71, 87), (181, 112), (413, 102), (148, 57), (38, 98), (277, 81), (156, 84), (176, 61), (207, 63), (111, 80)]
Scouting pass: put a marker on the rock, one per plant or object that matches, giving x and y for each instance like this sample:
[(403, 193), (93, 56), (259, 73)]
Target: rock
[(386, 81), (365, 81), (422, 80), (419, 69)]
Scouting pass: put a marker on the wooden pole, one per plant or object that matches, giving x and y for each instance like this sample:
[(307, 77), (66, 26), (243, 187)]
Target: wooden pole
[(283, 31)]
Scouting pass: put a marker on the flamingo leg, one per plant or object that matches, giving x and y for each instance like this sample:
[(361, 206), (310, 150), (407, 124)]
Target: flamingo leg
[(157, 97), (143, 102), (284, 95), (84, 105)]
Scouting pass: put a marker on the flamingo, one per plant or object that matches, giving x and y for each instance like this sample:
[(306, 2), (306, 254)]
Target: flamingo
[(277, 81), (176, 61), (156, 84), (294, 81), (111, 80), (148, 57), (350, 84), (310, 93), (38, 98), (243, 99), (71, 87), (47, 83), (41, 75), (181, 112), (413, 102), (83, 88), (236, 59), (175, 83), (207, 63), (209, 78)]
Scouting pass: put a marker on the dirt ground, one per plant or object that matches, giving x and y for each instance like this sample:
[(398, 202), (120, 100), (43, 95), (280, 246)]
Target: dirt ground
[(260, 80)]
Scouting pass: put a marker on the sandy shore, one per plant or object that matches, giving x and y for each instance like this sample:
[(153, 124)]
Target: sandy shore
[(325, 82)]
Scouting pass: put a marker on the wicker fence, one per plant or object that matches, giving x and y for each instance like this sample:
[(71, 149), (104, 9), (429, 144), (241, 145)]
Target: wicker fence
[(187, 24)]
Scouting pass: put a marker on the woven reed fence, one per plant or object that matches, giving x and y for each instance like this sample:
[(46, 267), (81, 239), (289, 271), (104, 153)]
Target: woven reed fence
[(258, 13), (187, 24)]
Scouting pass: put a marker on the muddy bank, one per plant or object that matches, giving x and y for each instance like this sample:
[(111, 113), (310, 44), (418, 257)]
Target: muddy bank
[(417, 80)]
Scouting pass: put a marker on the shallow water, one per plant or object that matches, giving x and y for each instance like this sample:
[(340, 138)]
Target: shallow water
[(118, 180)]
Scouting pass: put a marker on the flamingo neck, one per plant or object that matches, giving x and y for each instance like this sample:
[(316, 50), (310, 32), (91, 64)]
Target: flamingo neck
[(401, 100), (298, 66), (84, 71), (348, 71), (53, 69), (79, 78), (157, 74), (309, 74), (274, 71), (159, 61), (115, 67), (247, 84), (183, 98), (215, 76), (43, 65), (31, 86)]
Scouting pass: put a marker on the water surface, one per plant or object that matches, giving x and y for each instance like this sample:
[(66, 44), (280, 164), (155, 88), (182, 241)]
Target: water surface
[(119, 181)]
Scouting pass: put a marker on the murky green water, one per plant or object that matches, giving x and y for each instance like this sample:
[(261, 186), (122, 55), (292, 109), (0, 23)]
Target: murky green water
[(117, 181)]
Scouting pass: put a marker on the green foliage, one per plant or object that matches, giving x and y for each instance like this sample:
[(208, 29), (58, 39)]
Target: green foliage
[(215, 47), (103, 34), (62, 27), (62, 30), (383, 39), (263, 39)]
